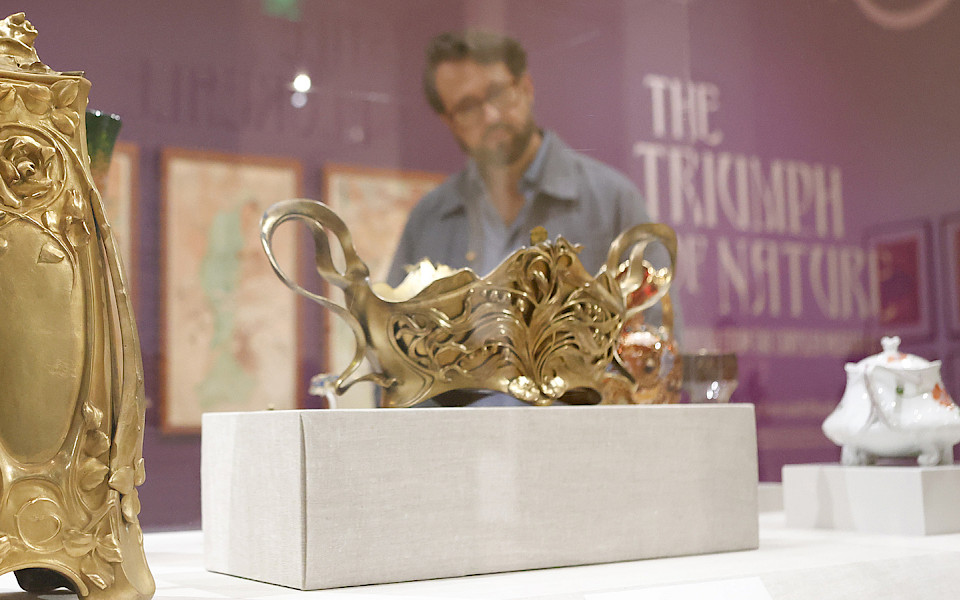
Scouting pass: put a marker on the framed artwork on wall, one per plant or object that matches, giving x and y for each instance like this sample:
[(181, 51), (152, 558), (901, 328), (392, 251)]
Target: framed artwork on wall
[(900, 262), (374, 203), (120, 198), (950, 237), (951, 374), (229, 325)]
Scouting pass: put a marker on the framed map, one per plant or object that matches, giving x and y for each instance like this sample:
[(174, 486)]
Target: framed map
[(951, 373), (229, 325), (950, 236), (120, 199), (374, 203), (900, 257)]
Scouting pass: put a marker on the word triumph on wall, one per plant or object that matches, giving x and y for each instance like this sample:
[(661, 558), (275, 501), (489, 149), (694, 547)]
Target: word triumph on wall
[(773, 229)]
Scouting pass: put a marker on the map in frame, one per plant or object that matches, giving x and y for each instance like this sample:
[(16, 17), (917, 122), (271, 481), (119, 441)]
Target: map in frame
[(229, 326)]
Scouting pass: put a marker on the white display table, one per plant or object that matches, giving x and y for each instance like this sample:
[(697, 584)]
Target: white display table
[(790, 564)]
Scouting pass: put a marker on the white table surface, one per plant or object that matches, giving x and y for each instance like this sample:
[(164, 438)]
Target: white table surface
[(790, 563)]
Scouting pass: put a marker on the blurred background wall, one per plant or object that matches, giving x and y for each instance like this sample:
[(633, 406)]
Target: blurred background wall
[(780, 139)]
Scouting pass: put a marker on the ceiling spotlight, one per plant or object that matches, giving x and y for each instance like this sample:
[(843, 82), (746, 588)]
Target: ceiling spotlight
[(302, 83)]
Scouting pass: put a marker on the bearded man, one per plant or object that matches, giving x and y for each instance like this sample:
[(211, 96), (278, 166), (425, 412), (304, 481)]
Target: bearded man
[(517, 176)]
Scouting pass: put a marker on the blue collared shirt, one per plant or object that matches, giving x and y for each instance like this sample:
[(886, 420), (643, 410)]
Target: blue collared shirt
[(568, 193)]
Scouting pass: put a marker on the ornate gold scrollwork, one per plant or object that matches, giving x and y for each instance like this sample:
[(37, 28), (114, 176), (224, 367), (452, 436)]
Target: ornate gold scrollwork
[(538, 327), (71, 379)]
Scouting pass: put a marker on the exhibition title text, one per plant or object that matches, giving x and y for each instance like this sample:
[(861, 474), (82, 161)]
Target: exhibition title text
[(787, 216)]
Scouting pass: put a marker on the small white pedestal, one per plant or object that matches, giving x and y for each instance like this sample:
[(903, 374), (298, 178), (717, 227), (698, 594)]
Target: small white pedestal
[(331, 498), (902, 500)]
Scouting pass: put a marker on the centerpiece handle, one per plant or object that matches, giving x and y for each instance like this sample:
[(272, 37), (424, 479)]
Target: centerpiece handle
[(636, 275), (320, 220)]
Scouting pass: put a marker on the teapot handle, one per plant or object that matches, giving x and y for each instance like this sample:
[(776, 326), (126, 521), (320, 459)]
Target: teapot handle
[(885, 416), (635, 272), (319, 219)]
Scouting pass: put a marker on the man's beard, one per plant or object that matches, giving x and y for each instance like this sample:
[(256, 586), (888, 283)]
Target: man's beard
[(507, 151)]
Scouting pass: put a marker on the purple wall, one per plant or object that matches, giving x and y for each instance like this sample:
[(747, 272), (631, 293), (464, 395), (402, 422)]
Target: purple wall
[(808, 84)]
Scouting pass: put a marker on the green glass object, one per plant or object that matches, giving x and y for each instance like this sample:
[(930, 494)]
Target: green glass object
[(102, 130)]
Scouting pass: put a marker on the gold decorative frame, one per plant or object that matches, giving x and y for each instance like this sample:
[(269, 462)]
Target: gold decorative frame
[(229, 333), (376, 203), (71, 382)]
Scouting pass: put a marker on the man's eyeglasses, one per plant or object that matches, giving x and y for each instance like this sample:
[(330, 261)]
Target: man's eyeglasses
[(501, 97)]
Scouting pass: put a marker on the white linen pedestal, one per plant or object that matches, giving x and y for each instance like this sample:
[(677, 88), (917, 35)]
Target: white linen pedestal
[(904, 500), (330, 498)]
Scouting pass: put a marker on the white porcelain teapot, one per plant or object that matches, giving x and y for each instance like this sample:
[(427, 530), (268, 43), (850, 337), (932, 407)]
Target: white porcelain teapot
[(894, 406)]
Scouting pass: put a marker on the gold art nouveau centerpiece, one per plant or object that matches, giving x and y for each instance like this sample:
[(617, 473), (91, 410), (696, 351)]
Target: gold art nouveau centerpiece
[(538, 327), (71, 380)]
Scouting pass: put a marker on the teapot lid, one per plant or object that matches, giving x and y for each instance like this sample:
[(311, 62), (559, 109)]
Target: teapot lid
[(892, 357)]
